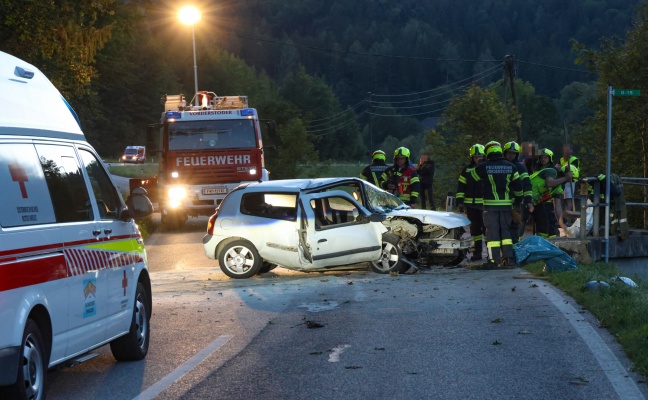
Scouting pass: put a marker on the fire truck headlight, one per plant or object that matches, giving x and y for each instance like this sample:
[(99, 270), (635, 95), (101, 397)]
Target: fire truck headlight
[(174, 174), (177, 193), (253, 171)]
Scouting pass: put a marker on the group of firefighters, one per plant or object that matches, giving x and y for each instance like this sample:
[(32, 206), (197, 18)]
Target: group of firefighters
[(497, 191)]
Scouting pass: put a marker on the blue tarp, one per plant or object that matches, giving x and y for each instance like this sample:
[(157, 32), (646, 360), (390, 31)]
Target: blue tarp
[(535, 248)]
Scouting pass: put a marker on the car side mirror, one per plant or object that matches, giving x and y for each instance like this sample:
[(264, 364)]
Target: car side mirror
[(375, 217), (138, 204)]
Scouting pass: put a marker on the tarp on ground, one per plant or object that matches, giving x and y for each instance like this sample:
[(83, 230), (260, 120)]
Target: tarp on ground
[(535, 248)]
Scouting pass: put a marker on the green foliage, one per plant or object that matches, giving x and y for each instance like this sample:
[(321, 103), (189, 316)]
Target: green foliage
[(60, 37), (620, 63), (297, 156), (476, 117), (621, 309)]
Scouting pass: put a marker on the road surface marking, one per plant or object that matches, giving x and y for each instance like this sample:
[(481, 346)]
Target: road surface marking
[(159, 386), (618, 376), (337, 351)]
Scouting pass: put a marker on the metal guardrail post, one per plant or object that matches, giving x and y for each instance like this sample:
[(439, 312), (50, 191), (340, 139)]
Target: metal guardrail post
[(583, 210), (596, 221)]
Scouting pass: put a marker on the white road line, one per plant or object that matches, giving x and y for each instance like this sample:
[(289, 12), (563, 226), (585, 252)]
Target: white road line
[(159, 386), (624, 385), (337, 351)]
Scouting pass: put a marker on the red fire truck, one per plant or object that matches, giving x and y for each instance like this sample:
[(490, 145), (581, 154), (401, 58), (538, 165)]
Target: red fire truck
[(204, 150)]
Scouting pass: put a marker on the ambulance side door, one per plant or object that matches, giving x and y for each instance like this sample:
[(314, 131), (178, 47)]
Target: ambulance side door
[(79, 232), (123, 255)]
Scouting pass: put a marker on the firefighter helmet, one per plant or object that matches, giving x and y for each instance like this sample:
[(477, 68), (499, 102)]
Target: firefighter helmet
[(493, 147), (546, 152), (378, 155), (512, 146), (476, 150), (402, 152)]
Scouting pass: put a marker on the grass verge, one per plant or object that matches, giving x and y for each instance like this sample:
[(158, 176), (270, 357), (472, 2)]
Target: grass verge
[(621, 309)]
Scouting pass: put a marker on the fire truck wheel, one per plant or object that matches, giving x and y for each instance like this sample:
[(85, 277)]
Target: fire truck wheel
[(32, 366), (239, 259), (390, 258), (134, 345)]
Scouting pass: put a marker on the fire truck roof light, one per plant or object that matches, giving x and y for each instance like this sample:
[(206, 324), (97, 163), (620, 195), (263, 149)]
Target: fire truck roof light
[(173, 115), (247, 111)]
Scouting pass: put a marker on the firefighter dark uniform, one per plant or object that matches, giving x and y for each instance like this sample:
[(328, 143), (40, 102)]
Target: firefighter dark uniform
[(511, 153), (401, 178), (373, 172), (502, 189), (469, 195)]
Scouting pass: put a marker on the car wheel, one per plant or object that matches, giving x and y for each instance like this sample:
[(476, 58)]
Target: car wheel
[(134, 345), (266, 267), (239, 259), (390, 258), (32, 367)]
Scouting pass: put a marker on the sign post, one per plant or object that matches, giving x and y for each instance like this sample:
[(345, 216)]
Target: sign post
[(608, 167)]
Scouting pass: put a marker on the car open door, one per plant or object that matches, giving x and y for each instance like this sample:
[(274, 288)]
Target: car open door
[(336, 230)]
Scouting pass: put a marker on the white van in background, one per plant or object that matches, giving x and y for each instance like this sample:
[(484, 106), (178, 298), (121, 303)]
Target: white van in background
[(73, 269), (134, 154)]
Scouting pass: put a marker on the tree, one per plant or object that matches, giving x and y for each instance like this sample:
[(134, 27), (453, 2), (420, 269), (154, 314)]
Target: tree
[(478, 116), (297, 156), (60, 37), (622, 65)]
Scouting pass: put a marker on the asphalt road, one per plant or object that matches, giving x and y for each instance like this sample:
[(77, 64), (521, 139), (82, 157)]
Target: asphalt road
[(439, 334)]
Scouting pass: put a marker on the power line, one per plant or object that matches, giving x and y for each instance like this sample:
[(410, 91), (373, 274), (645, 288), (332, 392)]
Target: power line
[(406, 115), (556, 67), (490, 71), (334, 129), (418, 106), (332, 117)]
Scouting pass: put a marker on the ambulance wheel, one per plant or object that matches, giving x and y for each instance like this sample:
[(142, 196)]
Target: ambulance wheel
[(239, 259), (32, 366), (134, 345), (391, 257)]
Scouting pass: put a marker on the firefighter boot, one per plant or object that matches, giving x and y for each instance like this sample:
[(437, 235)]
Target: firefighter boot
[(477, 253)]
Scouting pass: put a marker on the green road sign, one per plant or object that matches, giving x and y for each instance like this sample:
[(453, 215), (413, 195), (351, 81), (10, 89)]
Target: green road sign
[(627, 92)]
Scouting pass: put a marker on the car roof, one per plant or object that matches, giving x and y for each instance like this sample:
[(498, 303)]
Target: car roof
[(298, 185), (31, 104)]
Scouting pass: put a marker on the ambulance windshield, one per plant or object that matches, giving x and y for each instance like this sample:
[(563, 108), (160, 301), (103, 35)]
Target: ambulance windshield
[(212, 135)]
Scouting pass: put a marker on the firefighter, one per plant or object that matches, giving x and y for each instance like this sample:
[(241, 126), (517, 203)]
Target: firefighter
[(401, 178), (469, 199), (502, 190), (569, 162), (374, 171), (544, 183), (511, 153), (425, 171)]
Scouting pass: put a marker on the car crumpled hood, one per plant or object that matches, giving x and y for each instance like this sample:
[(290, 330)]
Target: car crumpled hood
[(445, 219)]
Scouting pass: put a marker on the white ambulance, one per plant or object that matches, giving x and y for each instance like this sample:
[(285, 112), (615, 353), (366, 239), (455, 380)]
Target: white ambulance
[(73, 269)]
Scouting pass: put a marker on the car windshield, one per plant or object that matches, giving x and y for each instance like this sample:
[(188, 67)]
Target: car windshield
[(212, 134), (381, 201)]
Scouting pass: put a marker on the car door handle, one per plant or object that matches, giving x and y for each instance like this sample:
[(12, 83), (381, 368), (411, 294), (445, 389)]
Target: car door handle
[(107, 231), (321, 241), (96, 232)]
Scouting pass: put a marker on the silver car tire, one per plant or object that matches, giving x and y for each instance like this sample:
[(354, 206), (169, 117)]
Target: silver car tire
[(239, 259), (391, 257)]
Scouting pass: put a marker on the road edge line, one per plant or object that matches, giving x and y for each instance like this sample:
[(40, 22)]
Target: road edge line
[(159, 386), (618, 376)]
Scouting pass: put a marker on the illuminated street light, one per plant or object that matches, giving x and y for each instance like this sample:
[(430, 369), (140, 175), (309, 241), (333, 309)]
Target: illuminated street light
[(190, 16)]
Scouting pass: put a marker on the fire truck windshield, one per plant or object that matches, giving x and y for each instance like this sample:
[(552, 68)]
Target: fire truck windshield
[(212, 135)]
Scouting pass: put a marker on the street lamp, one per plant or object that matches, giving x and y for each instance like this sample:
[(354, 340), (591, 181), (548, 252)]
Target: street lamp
[(190, 16)]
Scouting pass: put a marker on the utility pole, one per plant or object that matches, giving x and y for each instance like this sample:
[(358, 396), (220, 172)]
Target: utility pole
[(509, 73)]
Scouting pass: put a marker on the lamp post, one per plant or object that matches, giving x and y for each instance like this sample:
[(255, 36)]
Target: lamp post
[(190, 16)]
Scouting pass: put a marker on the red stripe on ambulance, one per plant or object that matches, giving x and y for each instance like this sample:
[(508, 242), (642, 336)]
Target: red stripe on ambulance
[(20, 273)]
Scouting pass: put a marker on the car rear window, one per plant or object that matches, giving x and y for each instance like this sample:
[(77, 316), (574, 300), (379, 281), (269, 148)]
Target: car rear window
[(270, 205)]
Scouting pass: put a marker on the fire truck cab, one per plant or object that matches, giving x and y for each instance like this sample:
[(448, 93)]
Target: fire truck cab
[(204, 150)]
